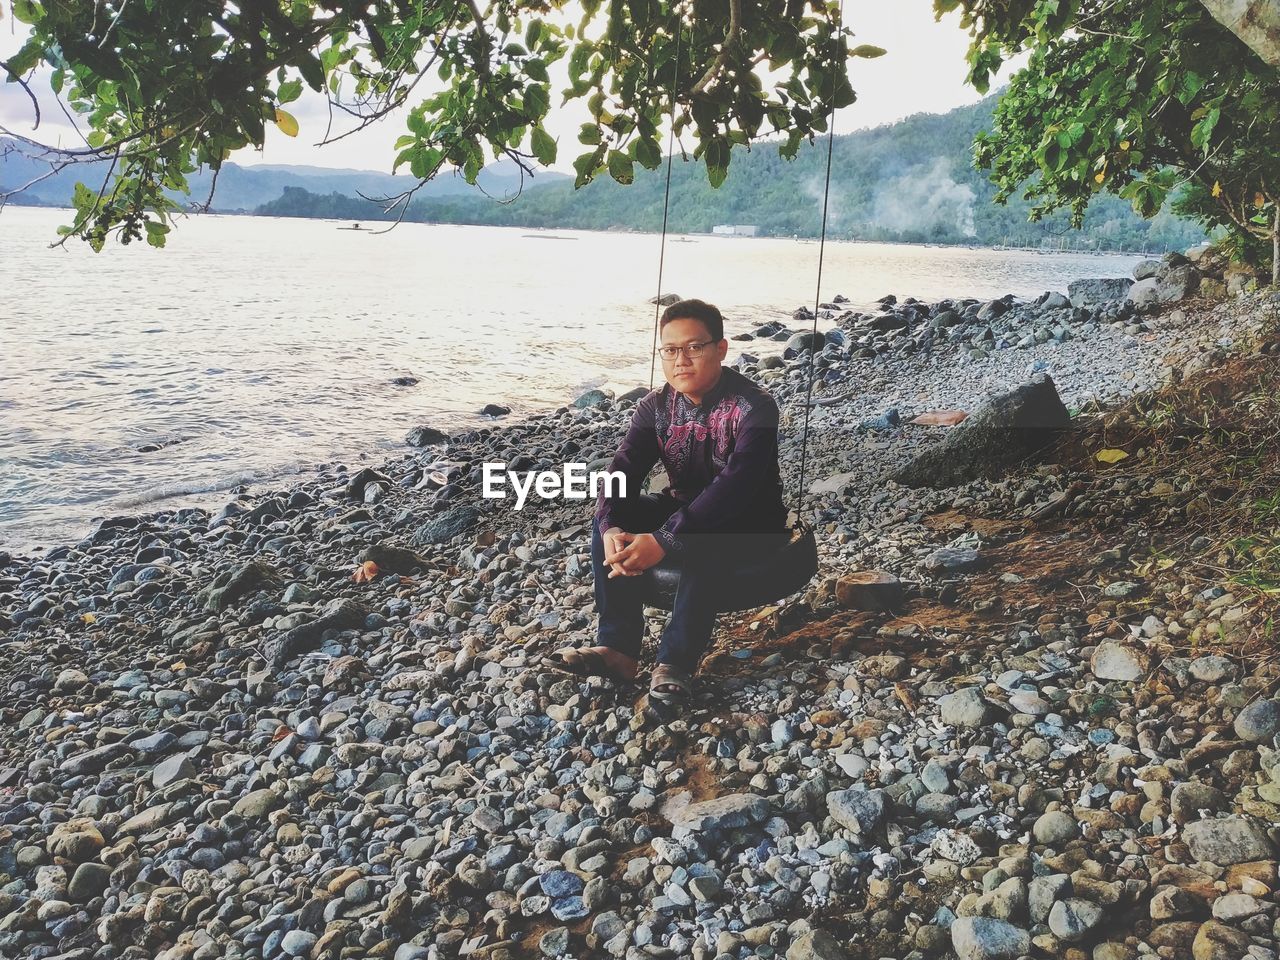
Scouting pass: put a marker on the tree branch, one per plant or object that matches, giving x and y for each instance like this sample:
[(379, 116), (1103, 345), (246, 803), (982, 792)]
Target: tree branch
[(26, 87), (730, 40)]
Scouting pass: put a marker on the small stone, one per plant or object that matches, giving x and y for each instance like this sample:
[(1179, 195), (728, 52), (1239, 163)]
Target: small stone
[(1212, 669), (1055, 828), (817, 945), (256, 804), (1236, 906), (722, 813), (1188, 799), (1217, 941), (177, 767), (1259, 721), (70, 680), (1073, 919), (964, 708), (298, 943), (1113, 661), (1227, 841), (555, 942), (856, 809), (89, 880), (985, 938)]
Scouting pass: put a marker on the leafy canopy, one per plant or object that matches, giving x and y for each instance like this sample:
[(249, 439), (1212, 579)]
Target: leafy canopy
[(164, 87), (1136, 97)]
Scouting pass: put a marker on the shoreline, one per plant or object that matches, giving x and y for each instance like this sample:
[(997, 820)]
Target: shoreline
[(923, 244)]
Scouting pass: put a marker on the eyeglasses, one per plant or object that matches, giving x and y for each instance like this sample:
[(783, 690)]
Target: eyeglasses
[(691, 350)]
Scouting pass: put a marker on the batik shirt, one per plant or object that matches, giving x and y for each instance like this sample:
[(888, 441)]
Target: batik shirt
[(721, 458)]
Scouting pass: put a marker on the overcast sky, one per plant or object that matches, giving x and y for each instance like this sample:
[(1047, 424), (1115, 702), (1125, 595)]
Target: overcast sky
[(922, 72)]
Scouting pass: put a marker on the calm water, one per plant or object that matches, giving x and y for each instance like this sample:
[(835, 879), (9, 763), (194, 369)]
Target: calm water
[(266, 347)]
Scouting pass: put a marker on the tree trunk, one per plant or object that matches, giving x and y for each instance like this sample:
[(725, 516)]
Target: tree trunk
[(1256, 22), (1275, 248)]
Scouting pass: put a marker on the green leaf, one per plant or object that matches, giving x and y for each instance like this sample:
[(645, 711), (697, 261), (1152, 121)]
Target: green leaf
[(536, 69), (313, 70), (289, 91), (544, 147), (868, 51), (27, 11), (536, 102), (621, 167), (156, 233), (589, 134), (648, 152)]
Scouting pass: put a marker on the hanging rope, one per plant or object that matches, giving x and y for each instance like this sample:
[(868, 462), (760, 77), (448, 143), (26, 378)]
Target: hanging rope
[(822, 246), (666, 203), (817, 299)]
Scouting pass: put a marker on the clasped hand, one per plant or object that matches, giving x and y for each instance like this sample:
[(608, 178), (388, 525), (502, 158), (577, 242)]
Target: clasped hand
[(630, 554)]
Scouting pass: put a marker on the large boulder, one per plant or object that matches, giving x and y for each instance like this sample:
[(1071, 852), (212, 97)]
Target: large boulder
[(1145, 294), (1096, 292), (1008, 429), (1177, 283)]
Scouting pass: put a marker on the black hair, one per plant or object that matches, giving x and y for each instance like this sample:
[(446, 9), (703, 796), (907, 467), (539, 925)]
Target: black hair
[(705, 313)]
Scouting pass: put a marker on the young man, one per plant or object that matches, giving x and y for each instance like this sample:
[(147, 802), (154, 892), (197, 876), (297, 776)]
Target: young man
[(716, 434)]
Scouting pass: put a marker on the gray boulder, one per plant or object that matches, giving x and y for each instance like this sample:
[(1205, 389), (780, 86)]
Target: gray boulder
[(425, 437), (729, 812), (448, 525), (592, 398), (230, 585), (1144, 270), (1177, 283), (341, 615), (1003, 432), (1094, 293), (1145, 294)]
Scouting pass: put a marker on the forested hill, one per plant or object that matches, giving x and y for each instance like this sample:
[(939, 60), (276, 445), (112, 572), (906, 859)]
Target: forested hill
[(907, 181)]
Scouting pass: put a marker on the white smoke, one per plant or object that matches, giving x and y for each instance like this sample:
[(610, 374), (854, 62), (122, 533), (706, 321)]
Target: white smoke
[(813, 188), (923, 198)]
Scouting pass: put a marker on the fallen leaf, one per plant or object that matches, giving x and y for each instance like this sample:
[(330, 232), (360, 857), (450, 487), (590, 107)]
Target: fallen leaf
[(89, 618), (178, 665), (282, 731), (940, 418), (907, 697), (365, 572), (1111, 455)]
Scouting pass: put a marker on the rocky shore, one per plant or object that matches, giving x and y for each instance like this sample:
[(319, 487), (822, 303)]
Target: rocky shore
[(315, 723)]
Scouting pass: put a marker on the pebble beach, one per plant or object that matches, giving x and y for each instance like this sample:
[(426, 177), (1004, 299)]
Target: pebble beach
[(315, 722)]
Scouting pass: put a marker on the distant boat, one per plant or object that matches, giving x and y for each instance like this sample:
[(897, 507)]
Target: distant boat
[(354, 226), (547, 236)]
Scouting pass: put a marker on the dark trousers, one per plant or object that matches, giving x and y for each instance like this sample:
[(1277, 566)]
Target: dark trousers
[(706, 572)]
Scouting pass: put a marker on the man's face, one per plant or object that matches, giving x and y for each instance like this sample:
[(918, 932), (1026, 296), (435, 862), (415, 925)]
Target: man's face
[(692, 375)]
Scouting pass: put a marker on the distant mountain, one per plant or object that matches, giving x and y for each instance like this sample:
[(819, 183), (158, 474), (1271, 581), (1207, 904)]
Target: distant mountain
[(908, 181), (245, 188)]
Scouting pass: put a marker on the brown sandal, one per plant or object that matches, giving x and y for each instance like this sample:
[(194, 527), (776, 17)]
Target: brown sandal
[(679, 683), (584, 662)]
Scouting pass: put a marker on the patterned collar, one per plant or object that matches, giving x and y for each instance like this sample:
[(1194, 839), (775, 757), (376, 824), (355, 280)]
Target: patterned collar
[(714, 394)]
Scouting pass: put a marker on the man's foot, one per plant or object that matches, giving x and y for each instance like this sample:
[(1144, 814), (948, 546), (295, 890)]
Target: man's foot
[(595, 662), (670, 683)]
